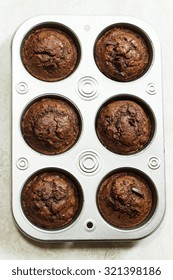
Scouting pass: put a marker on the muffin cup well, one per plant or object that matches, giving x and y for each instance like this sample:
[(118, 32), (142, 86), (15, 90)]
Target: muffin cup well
[(51, 124), (126, 198), (50, 52), (51, 199), (123, 52), (127, 121)]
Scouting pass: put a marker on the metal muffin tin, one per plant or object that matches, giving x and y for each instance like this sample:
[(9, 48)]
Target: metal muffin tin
[(88, 160)]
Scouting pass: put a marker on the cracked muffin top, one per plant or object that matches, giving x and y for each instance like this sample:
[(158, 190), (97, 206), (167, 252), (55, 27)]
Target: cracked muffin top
[(124, 199), (122, 54), (49, 54), (50, 126), (50, 200), (123, 127)]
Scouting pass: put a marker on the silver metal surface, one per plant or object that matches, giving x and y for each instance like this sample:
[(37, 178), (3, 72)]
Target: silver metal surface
[(87, 160)]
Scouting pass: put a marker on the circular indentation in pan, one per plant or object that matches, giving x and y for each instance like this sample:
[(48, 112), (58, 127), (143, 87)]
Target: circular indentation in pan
[(51, 199), (50, 52), (154, 162), (123, 52), (126, 198), (89, 162), (151, 88), (22, 88), (51, 125), (125, 124), (22, 163), (88, 87)]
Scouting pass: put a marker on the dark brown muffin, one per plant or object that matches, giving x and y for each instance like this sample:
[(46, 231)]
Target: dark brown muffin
[(124, 200), (50, 200), (123, 127), (121, 54), (49, 54), (50, 126)]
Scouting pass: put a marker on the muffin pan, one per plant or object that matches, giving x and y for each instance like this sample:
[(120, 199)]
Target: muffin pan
[(88, 163)]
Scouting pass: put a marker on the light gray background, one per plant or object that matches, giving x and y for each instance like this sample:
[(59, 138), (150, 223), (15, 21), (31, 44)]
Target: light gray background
[(13, 245)]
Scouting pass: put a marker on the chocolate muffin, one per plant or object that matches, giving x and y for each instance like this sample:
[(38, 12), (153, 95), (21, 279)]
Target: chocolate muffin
[(49, 54), (50, 126), (123, 127), (122, 54), (50, 200), (124, 200)]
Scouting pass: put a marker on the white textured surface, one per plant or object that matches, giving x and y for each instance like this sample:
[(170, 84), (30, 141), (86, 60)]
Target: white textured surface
[(13, 245)]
